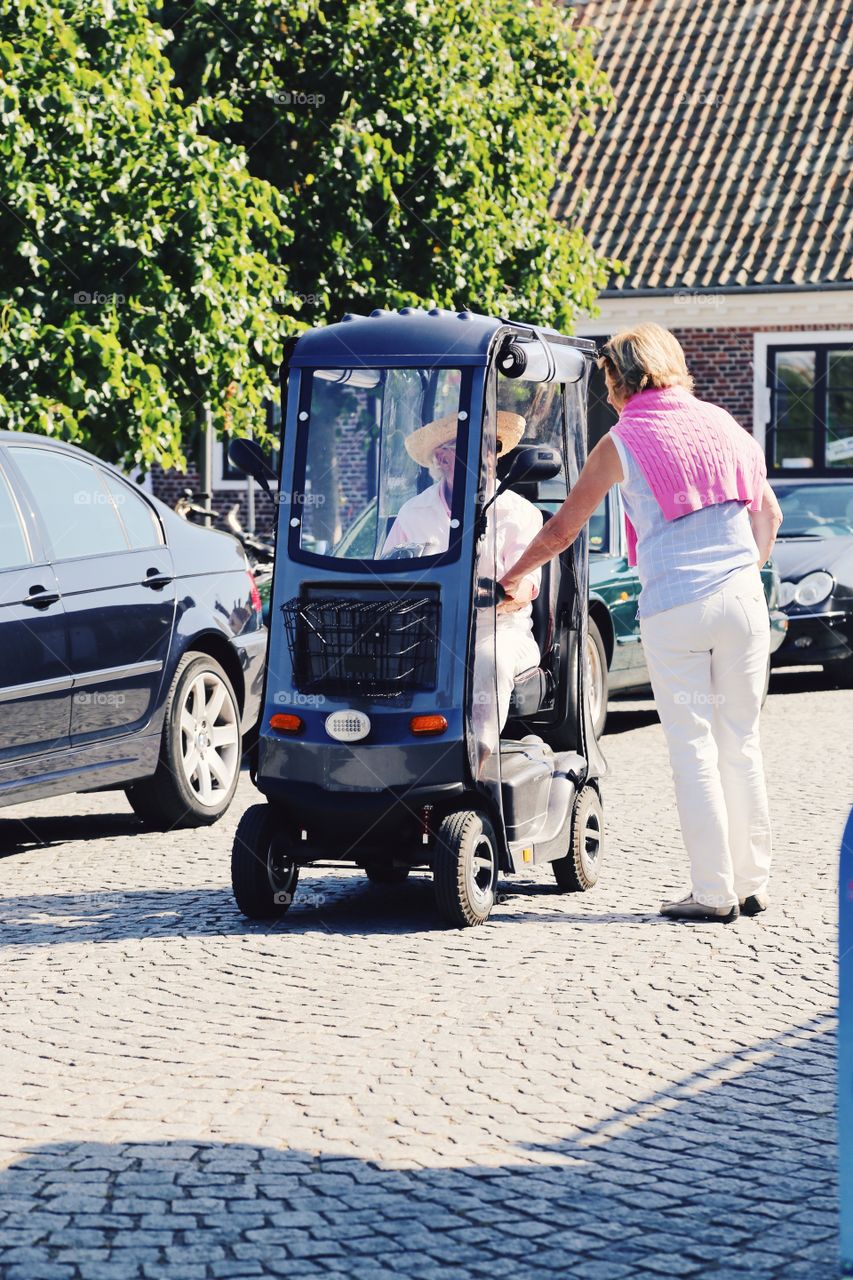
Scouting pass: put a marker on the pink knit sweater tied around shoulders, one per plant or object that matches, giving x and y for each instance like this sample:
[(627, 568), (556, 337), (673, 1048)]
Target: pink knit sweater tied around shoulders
[(692, 454)]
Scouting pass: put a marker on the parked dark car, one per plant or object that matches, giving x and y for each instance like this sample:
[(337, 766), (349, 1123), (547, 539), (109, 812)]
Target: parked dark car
[(615, 651), (132, 642), (814, 552)]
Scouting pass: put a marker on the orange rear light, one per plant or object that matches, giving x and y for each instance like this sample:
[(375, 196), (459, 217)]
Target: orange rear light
[(428, 724), (285, 722)]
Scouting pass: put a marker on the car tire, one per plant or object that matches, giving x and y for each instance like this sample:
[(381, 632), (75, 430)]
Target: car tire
[(383, 875), (599, 685), (580, 868), (766, 688), (193, 785), (264, 875), (465, 868)]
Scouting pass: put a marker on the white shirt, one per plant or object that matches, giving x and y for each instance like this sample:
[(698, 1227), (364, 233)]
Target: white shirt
[(686, 559), (425, 521)]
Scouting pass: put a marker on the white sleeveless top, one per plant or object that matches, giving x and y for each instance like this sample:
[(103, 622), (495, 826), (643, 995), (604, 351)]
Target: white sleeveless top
[(682, 560)]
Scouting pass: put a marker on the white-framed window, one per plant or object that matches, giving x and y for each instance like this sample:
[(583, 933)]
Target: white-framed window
[(803, 401)]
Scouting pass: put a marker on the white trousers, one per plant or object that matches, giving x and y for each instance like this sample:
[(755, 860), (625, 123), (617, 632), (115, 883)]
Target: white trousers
[(707, 661), (514, 651)]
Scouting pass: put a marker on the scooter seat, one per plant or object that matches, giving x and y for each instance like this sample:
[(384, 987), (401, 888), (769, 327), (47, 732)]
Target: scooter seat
[(532, 688)]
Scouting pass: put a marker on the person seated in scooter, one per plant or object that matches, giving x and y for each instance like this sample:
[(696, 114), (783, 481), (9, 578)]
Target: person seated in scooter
[(424, 521)]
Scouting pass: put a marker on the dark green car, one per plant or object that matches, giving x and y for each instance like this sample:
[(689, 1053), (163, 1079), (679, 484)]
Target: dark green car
[(614, 649)]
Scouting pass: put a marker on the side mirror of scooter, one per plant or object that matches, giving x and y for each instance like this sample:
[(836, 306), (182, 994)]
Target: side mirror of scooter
[(248, 456), (529, 464)]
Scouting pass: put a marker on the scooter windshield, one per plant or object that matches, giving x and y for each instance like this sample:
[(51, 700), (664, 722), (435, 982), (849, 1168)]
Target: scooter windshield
[(379, 464)]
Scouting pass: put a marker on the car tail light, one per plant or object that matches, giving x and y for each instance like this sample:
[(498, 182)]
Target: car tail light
[(254, 593), (428, 724), (286, 722)]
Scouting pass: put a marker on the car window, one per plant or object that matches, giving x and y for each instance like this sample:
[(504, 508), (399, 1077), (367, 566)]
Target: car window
[(816, 510), (77, 510), (598, 527), (137, 517), (14, 548)]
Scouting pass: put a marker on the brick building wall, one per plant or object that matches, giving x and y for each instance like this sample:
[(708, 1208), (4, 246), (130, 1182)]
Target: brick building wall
[(721, 362), (168, 486)]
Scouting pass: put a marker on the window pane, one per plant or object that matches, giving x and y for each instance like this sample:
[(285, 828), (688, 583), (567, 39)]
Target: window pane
[(14, 551), (136, 515), (598, 527), (839, 409), (359, 473), (793, 402), (76, 509), (793, 449)]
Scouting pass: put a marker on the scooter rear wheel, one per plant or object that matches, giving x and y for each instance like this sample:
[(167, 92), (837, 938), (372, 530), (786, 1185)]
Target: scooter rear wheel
[(580, 868), (465, 868), (263, 872)]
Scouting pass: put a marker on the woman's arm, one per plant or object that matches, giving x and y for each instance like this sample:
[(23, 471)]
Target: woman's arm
[(603, 469), (765, 523)]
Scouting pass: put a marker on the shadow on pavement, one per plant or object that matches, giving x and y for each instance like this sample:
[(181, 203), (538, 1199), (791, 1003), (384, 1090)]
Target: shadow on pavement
[(331, 904), (340, 904), (17, 835), (622, 719), (730, 1172)]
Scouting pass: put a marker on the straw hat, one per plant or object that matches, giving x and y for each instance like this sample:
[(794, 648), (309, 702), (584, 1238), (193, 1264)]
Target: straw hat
[(422, 444)]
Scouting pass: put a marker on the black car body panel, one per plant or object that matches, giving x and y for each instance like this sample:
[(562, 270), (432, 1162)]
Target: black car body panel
[(823, 632), (91, 642)]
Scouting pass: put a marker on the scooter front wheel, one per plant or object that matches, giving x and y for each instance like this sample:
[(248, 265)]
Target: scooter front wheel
[(465, 868), (263, 872)]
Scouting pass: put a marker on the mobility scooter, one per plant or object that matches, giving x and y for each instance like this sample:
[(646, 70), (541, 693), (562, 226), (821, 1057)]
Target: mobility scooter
[(380, 742)]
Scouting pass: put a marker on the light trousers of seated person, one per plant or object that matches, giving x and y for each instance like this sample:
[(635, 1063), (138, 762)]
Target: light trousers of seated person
[(514, 651), (708, 663)]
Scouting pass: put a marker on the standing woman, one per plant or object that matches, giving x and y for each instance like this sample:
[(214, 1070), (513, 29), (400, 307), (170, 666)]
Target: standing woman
[(702, 519)]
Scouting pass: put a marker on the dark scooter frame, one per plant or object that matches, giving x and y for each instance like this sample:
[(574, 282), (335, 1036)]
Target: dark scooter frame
[(395, 800)]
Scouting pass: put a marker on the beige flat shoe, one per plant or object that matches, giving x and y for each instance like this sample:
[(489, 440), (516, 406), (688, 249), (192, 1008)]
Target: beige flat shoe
[(689, 909)]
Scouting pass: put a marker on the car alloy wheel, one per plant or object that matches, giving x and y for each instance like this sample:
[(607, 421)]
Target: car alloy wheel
[(210, 738)]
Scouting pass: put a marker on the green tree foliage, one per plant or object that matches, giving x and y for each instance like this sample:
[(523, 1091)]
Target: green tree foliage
[(141, 280), (415, 143)]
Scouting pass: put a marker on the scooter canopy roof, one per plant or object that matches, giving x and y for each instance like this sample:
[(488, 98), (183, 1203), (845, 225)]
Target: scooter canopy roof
[(410, 336)]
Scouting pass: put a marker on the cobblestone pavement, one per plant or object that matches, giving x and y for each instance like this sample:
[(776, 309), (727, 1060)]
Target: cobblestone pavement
[(578, 1089)]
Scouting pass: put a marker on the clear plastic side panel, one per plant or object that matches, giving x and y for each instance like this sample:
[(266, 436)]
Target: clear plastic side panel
[(540, 404), (576, 427), (482, 712)]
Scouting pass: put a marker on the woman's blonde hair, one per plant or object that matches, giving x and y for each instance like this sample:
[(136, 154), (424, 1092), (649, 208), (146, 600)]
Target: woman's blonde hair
[(645, 356)]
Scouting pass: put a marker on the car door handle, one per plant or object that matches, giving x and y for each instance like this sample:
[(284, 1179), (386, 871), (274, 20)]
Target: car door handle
[(40, 597), (156, 580)]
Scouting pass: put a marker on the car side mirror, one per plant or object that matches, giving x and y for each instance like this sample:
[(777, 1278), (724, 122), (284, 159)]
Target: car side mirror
[(248, 456)]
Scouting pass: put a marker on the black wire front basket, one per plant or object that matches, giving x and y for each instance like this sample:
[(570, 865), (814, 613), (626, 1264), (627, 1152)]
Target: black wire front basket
[(378, 646)]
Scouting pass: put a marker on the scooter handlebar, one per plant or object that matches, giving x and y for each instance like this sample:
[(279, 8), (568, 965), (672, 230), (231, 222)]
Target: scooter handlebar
[(489, 592)]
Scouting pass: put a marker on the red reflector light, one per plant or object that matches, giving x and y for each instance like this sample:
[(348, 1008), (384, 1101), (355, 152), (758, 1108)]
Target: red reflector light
[(285, 722), (428, 724), (254, 593)]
